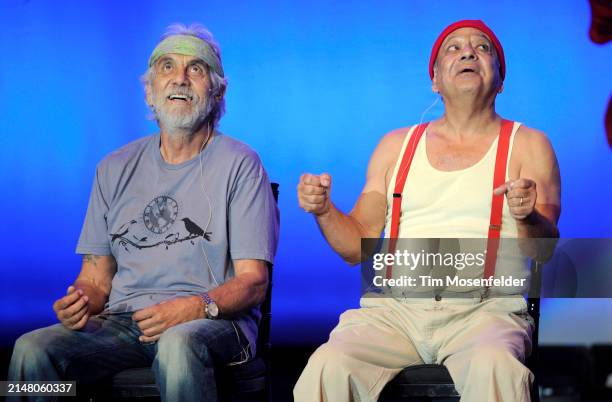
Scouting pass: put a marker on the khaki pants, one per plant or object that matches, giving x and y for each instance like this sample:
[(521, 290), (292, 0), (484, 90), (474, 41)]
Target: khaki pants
[(482, 343)]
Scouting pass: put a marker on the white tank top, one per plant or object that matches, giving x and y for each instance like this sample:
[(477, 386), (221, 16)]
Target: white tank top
[(456, 204), (448, 204)]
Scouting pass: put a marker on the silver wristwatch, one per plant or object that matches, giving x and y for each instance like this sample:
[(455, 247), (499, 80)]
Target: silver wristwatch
[(211, 310)]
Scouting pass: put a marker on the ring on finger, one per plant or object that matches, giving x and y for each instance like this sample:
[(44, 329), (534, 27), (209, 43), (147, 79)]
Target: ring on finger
[(521, 202)]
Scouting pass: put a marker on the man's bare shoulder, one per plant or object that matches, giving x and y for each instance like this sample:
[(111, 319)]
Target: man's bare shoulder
[(384, 158), (390, 144), (395, 138), (531, 142)]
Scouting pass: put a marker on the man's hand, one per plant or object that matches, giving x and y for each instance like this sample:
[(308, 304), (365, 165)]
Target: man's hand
[(313, 193), (154, 320), (72, 310), (521, 195)]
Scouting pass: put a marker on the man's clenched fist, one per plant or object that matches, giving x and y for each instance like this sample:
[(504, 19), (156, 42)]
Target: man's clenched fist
[(313, 193), (521, 195)]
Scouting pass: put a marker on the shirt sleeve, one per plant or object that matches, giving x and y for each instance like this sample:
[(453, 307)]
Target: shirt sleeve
[(253, 218), (94, 234)]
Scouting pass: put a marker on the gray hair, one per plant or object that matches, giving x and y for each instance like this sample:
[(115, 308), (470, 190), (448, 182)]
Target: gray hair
[(217, 82)]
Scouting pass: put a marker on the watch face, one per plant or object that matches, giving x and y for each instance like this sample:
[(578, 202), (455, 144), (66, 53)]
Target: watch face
[(212, 310)]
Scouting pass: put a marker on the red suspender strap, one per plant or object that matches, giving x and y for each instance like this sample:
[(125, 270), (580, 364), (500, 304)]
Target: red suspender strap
[(497, 202), (400, 181)]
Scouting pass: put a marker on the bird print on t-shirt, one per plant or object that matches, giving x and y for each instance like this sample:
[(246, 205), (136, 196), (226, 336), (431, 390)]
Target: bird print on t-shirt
[(194, 229)]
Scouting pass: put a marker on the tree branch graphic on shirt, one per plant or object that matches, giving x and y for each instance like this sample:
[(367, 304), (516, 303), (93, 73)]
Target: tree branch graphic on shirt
[(158, 216)]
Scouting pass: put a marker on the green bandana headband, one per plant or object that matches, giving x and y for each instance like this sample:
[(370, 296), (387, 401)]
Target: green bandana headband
[(190, 46)]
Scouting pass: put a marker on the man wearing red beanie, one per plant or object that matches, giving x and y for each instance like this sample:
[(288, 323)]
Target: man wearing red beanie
[(469, 174)]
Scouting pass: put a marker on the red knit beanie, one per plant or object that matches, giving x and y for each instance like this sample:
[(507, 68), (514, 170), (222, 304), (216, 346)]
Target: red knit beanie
[(477, 24)]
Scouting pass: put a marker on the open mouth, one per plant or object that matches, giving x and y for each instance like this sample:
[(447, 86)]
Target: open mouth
[(467, 71), (180, 98)]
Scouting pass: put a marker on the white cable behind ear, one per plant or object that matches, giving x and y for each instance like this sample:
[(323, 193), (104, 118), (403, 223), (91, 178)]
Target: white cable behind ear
[(428, 109)]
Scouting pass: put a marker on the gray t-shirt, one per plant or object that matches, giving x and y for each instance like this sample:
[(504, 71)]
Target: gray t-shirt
[(175, 229)]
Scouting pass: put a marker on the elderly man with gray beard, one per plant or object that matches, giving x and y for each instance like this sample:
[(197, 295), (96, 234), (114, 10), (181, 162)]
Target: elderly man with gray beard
[(178, 231)]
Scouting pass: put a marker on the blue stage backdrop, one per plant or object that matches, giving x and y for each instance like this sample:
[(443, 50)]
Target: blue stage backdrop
[(313, 85)]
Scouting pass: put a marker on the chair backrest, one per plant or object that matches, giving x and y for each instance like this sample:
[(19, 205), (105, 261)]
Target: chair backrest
[(533, 298), (263, 338), (533, 308)]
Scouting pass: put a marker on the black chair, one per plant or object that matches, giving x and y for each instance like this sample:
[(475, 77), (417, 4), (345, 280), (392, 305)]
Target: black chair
[(601, 356), (567, 374), (432, 382), (247, 382)]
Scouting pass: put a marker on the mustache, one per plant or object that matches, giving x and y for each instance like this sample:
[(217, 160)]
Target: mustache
[(181, 92)]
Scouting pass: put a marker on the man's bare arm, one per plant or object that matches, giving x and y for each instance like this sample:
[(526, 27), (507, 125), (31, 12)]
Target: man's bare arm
[(542, 167), (344, 232), (88, 294), (534, 199), (538, 187), (367, 219), (245, 290), (95, 279)]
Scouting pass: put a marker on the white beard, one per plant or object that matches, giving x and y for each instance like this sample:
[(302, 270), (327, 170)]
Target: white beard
[(180, 121)]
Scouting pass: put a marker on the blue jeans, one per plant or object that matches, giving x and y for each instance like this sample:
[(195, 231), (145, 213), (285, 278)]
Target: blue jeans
[(183, 360)]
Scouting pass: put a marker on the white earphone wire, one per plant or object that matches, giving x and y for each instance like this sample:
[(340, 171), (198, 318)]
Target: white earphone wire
[(245, 351)]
